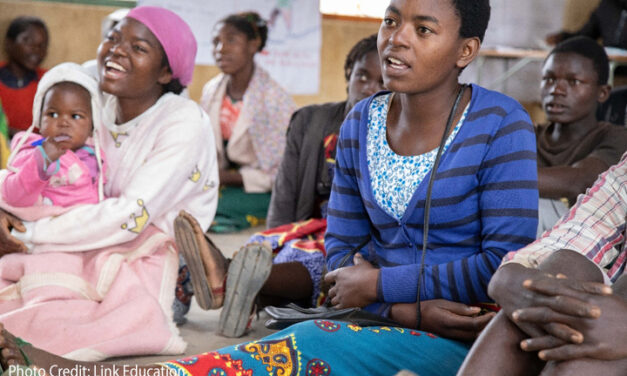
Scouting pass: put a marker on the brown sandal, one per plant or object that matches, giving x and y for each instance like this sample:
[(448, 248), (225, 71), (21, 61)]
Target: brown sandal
[(203, 259)]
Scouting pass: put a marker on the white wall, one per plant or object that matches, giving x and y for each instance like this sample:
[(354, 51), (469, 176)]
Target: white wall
[(522, 24)]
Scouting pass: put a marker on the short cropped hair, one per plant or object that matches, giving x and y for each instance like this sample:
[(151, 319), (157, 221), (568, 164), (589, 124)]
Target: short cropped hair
[(588, 48), (474, 15), (359, 50)]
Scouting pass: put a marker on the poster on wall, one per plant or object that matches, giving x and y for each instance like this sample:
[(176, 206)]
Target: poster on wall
[(292, 52)]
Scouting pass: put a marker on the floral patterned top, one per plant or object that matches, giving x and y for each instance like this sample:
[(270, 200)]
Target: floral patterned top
[(395, 177)]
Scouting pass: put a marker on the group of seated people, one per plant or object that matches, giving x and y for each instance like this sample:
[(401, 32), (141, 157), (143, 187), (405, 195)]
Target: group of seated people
[(416, 199)]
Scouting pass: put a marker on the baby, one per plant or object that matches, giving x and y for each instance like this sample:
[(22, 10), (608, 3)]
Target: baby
[(61, 166)]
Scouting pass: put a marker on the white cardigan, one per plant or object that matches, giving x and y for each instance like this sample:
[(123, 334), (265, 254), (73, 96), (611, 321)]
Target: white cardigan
[(161, 162)]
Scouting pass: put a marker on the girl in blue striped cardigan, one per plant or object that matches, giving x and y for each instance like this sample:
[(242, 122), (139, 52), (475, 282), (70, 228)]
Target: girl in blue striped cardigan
[(484, 201)]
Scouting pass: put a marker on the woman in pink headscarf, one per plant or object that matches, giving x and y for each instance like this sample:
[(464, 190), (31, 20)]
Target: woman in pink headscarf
[(98, 281)]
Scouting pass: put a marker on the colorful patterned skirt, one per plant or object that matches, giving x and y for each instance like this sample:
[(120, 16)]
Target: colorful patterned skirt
[(301, 242), (317, 348)]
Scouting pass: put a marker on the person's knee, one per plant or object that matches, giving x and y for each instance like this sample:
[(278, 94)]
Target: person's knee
[(573, 265)]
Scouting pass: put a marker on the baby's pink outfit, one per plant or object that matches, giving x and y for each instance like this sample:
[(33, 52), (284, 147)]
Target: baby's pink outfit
[(76, 181)]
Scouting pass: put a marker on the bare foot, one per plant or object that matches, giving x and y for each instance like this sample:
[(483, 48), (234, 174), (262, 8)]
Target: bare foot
[(14, 351)]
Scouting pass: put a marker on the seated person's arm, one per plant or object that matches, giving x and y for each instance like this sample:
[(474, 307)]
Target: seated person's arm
[(23, 187), (282, 208), (569, 181), (348, 228)]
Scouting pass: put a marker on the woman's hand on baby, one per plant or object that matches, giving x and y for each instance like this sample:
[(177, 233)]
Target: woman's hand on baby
[(8, 244), (353, 286), (453, 320)]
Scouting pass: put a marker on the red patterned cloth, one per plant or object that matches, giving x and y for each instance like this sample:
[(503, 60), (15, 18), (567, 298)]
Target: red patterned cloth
[(299, 242)]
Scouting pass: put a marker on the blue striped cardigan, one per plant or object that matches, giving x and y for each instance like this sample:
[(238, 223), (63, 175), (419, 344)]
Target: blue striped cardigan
[(484, 205)]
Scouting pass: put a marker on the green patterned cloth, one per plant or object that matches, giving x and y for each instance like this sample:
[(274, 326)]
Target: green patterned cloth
[(238, 210)]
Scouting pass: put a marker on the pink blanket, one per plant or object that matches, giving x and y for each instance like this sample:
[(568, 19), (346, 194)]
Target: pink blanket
[(97, 304)]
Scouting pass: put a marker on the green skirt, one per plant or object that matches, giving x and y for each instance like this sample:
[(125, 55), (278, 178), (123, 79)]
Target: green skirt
[(238, 210)]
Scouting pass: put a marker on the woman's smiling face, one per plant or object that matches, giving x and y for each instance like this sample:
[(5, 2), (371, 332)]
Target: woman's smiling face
[(419, 45), (130, 61)]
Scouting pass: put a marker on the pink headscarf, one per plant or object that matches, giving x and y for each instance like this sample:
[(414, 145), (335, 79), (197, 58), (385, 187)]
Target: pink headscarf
[(175, 37)]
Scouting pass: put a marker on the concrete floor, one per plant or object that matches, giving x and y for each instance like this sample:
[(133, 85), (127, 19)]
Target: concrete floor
[(199, 330)]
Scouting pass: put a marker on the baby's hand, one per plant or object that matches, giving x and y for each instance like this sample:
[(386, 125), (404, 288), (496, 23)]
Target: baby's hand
[(55, 147)]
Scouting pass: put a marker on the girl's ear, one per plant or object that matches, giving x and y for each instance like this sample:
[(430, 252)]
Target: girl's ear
[(165, 76), (469, 50), (604, 93)]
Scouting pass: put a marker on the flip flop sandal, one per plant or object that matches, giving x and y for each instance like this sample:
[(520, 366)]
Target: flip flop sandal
[(189, 238), (247, 274)]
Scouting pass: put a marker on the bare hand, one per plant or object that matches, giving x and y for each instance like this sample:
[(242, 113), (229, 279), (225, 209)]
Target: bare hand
[(54, 148), (8, 244), (601, 323), (453, 320), (559, 305), (353, 286), (515, 287), (506, 288)]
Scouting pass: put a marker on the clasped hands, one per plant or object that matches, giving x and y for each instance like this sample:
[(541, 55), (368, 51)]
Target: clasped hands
[(356, 286), (569, 319)]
